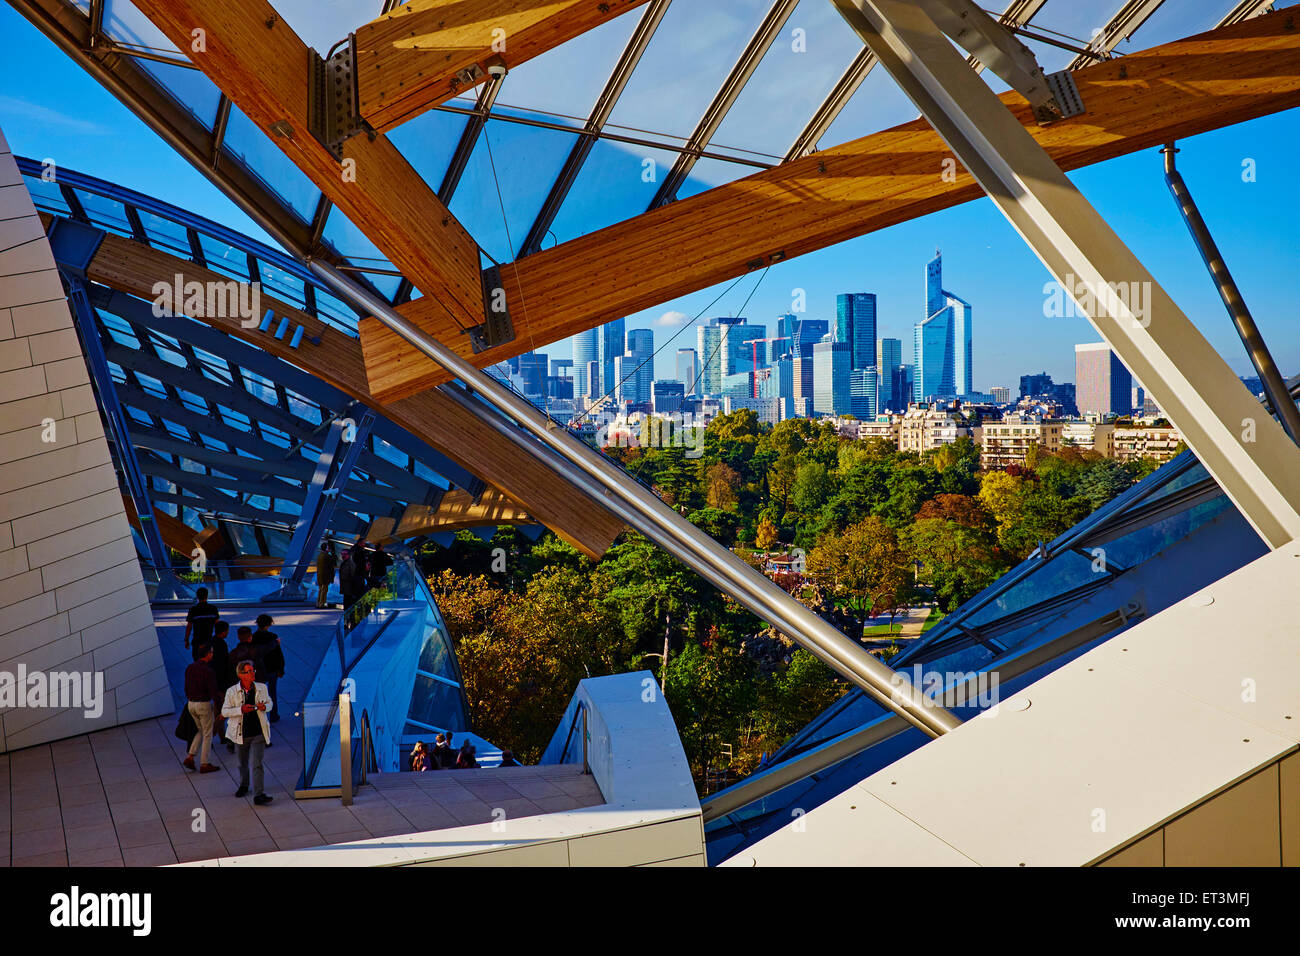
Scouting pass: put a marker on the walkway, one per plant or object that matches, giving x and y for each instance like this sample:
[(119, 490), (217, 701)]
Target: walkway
[(120, 796)]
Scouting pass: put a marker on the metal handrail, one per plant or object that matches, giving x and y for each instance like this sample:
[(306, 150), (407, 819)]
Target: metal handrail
[(580, 710)]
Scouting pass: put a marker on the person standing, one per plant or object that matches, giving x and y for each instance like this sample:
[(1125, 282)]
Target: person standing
[(201, 694), (272, 657), (348, 580), (379, 565), (245, 708), (224, 675), (201, 619), (326, 563)]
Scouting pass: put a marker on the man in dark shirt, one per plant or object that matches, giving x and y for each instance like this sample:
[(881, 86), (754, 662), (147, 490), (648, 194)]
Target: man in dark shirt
[(246, 650), (221, 668), (201, 694), (269, 642), (201, 619)]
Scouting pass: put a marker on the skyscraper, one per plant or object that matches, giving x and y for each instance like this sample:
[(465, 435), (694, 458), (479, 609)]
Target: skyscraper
[(864, 397), (802, 382), (688, 369), (832, 366), (807, 334), (889, 356), (711, 340), (640, 364), (612, 344), (586, 349), (742, 353), (855, 324), (1102, 385), (942, 341), (787, 328)]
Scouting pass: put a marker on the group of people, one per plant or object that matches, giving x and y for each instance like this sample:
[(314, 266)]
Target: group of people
[(360, 569), (235, 685), (443, 755)]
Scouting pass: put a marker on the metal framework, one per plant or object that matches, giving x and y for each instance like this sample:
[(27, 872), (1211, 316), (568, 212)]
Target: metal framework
[(1248, 454)]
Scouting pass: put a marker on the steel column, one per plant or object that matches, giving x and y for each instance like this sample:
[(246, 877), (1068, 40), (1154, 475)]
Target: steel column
[(137, 483), (1246, 451), (1274, 386)]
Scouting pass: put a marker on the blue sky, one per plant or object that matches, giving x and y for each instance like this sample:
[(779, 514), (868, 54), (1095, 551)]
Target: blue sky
[(51, 108)]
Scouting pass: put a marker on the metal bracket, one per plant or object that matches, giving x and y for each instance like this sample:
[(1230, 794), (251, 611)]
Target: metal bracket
[(470, 76), (333, 110), (1066, 93), (497, 327)]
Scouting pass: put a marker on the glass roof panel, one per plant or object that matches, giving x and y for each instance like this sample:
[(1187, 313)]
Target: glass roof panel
[(1075, 22), (685, 64), (224, 258), (281, 284), (166, 234), (796, 74), (429, 140), (190, 88), (357, 247), (567, 80), (1175, 19), (708, 173), (104, 211), (522, 163), (46, 195), (877, 104), (618, 181), (323, 23), (128, 26), (246, 141)]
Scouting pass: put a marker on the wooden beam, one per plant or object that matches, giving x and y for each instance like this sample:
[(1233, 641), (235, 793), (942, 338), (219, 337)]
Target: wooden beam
[(409, 60), (133, 268), (1139, 101), (257, 60), (176, 534), (456, 512)]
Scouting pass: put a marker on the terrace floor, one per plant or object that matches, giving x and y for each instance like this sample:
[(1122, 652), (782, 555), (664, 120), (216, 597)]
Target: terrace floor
[(121, 797)]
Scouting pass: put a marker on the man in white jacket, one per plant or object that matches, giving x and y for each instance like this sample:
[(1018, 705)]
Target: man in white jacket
[(245, 708)]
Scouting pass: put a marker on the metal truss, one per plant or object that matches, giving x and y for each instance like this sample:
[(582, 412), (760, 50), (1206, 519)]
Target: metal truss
[(1132, 15)]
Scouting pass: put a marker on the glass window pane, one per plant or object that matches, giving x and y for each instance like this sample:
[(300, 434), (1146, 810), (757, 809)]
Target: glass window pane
[(264, 158), (165, 234), (128, 26), (618, 181), (191, 89)]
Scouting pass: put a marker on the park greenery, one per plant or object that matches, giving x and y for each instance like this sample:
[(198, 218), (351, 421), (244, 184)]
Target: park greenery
[(881, 530)]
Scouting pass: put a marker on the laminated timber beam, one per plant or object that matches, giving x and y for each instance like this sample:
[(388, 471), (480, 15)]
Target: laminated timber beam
[(427, 51), (433, 417), (457, 511), (1142, 100), (256, 59)]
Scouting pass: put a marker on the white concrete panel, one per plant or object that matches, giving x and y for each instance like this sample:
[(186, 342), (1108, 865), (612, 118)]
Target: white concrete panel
[(156, 703), (55, 346), (35, 499), (852, 829), (66, 517), (17, 354), (124, 648), (15, 203), (22, 383), (43, 631), (29, 442), (92, 534), (85, 591), (12, 562), (67, 373), (106, 631), (129, 598), (87, 563), (38, 469), (28, 412), (78, 401), (697, 860), (1239, 827), (26, 255), (32, 289), (635, 845), (40, 315), (55, 655), (27, 612), (6, 535), (535, 854), (20, 587)]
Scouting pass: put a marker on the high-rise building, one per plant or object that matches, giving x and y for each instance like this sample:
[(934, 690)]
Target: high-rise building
[(780, 384), (787, 328), (1039, 384), (802, 383), (592, 391), (532, 368), (942, 341), (744, 353), (855, 324), (1102, 385), (807, 334), (613, 343), (586, 349), (688, 369), (832, 365), (889, 356), (711, 342), (640, 363), (901, 388), (864, 398), (667, 397), (1001, 394)]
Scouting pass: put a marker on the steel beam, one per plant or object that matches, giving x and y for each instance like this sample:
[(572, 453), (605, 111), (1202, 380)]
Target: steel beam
[(1245, 10), (1274, 386), (170, 587), (1122, 25), (593, 474), (1247, 452), (487, 98)]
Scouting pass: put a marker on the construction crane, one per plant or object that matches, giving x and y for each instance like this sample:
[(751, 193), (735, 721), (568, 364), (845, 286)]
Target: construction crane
[(753, 348)]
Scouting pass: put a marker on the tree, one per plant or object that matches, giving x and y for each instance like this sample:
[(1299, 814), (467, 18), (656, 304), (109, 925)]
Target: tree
[(958, 561), (719, 524), (865, 565), (711, 690), (812, 486), (722, 482), (961, 509), (768, 536)]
